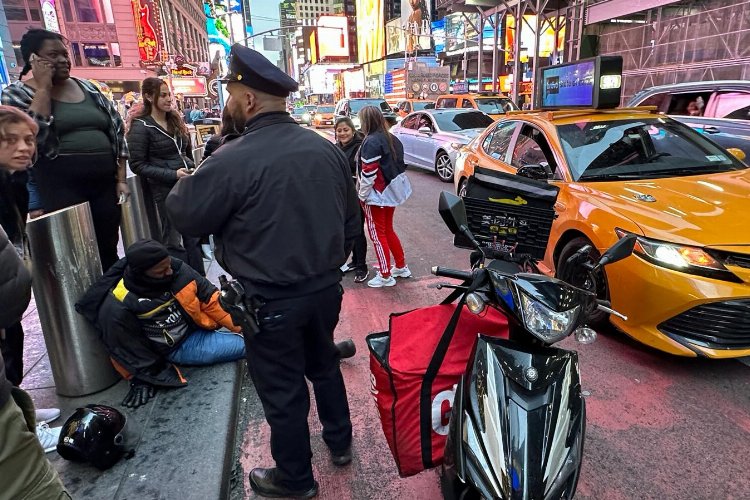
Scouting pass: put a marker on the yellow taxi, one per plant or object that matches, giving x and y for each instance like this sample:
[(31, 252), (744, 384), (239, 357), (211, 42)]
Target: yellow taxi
[(323, 116), (686, 289), (407, 106), (495, 105)]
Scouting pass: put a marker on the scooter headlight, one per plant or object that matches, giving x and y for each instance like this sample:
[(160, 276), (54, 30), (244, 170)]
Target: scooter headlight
[(547, 325), (475, 303)]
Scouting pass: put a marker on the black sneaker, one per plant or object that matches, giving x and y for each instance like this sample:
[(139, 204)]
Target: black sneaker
[(361, 275), (346, 348), (265, 483)]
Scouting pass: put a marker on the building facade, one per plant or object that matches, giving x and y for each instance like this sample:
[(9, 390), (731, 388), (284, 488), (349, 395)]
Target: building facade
[(103, 39), (308, 11), (680, 41)]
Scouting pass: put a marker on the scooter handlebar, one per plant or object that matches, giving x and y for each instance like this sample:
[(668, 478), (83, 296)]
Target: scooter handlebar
[(452, 273)]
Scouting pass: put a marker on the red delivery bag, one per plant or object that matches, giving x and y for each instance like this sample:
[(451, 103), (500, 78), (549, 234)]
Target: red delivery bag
[(415, 367)]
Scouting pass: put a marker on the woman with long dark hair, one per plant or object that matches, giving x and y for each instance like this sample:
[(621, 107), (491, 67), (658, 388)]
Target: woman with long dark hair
[(160, 152), (383, 186), (349, 140), (80, 143)]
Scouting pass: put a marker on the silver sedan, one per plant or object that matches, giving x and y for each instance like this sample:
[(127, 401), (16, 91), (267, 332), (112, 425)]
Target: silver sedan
[(432, 137)]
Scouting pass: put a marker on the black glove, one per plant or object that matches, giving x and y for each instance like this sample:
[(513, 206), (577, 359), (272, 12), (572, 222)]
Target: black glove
[(232, 300), (139, 394)]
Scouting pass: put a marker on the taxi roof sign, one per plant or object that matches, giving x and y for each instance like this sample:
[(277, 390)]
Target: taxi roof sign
[(587, 83)]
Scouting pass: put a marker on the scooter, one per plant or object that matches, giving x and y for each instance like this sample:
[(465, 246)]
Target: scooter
[(518, 421)]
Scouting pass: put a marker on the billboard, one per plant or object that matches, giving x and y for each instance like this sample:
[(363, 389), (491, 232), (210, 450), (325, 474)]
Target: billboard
[(189, 86), (547, 40), (333, 39), (438, 35), (394, 37), (371, 35), (49, 14), (416, 17), (147, 31)]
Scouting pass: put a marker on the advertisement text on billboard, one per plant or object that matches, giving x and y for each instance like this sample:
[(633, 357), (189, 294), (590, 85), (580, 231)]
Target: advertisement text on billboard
[(394, 37)]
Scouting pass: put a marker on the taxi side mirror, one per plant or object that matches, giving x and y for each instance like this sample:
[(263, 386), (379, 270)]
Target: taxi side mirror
[(425, 130), (737, 153), (536, 172)]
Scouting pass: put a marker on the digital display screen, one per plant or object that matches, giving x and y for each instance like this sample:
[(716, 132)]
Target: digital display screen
[(570, 85)]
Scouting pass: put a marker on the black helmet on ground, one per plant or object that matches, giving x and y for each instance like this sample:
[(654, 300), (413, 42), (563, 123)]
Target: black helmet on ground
[(95, 434)]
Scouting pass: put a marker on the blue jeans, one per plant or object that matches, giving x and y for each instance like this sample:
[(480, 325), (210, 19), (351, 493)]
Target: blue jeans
[(203, 347)]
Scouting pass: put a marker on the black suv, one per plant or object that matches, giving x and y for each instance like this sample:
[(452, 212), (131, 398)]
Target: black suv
[(351, 106)]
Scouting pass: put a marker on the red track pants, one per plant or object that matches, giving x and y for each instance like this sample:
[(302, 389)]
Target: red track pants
[(384, 238)]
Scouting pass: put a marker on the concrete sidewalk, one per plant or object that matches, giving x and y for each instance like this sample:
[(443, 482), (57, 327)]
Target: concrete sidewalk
[(184, 438)]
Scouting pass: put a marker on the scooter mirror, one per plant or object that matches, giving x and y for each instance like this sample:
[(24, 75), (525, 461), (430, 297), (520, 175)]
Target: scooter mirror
[(453, 211), (619, 250)]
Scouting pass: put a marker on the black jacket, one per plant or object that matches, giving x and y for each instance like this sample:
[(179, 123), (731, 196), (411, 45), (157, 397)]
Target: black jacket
[(121, 330), (350, 151), (14, 203), (15, 294), (156, 155), (280, 203)]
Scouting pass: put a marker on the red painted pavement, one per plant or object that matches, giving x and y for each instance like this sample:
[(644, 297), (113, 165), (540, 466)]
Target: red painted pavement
[(658, 426)]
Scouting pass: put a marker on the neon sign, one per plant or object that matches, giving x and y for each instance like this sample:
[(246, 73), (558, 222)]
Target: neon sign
[(146, 17)]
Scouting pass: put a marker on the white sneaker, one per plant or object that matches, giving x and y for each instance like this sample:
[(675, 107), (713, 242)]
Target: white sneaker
[(46, 415), (378, 281), (401, 272), (48, 436)]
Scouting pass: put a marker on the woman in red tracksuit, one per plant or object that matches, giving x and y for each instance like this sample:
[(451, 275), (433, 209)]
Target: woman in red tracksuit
[(383, 186)]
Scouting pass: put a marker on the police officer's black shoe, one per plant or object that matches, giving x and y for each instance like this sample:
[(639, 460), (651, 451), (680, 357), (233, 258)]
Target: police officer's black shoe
[(265, 483), (341, 458), (346, 348)]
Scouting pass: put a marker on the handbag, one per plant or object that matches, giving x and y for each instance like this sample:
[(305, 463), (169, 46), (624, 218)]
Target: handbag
[(415, 367)]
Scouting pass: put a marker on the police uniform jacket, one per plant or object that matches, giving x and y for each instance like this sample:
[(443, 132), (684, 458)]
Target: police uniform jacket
[(280, 203)]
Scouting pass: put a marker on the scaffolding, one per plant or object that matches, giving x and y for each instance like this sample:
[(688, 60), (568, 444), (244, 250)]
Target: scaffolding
[(694, 40)]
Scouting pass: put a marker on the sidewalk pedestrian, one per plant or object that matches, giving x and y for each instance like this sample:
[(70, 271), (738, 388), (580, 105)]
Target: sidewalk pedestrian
[(284, 225), (160, 152), (17, 150), (81, 140), (349, 139), (383, 186), (24, 470), (154, 312)]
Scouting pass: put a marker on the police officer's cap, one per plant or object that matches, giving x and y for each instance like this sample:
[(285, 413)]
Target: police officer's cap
[(250, 68)]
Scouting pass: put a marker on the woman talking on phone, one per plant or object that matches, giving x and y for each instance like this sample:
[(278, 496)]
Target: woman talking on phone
[(160, 152), (81, 139)]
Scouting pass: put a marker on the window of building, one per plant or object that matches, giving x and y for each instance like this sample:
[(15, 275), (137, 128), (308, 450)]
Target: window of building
[(15, 10), (75, 54), (88, 11), (97, 54), (67, 11)]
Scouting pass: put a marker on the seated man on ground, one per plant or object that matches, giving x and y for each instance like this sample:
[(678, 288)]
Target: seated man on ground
[(154, 312)]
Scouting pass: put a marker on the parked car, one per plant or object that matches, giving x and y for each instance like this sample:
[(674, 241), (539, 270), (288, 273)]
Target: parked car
[(350, 107), (495, 105), (432, 137), (407, 106), (686, 289), (724, 116), (323, 116), (297, 114)]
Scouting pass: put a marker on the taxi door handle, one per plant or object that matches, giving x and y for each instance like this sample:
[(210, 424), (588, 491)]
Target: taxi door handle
[(711, 130), (559, 207)]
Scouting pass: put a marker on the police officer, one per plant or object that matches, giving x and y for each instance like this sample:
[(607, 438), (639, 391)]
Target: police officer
[(282, 206)]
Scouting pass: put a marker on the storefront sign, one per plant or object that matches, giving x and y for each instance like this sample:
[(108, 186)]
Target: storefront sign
[(49, 14), (184, 70), (190, 86), (147, 30), (460, 87)]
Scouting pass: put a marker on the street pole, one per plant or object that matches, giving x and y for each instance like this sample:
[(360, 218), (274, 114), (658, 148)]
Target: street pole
[(495, 53), (480, 53), (517, 53)]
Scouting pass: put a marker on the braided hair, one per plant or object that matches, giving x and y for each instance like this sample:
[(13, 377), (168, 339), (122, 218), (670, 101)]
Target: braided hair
[(32, 42)]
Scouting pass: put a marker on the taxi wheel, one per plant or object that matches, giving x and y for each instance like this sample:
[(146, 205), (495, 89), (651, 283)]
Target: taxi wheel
[(444, 167), (582, 278)]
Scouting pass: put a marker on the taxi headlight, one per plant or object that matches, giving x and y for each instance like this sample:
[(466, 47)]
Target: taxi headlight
[(456, 145), (318, 116), (685, 258), (545, 324)]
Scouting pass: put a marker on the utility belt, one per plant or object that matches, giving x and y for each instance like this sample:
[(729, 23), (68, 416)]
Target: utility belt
[(242, 309)]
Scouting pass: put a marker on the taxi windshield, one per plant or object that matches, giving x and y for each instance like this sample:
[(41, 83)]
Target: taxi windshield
[(420, 105), (640, 149), (325, 109), (494, 105)]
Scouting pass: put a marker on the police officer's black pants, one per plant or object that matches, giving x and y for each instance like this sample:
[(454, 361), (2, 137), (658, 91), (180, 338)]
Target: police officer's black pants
[(296, 341)]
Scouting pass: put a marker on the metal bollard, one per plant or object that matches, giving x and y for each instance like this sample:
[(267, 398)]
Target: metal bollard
[(137, 215), (65, 263)]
